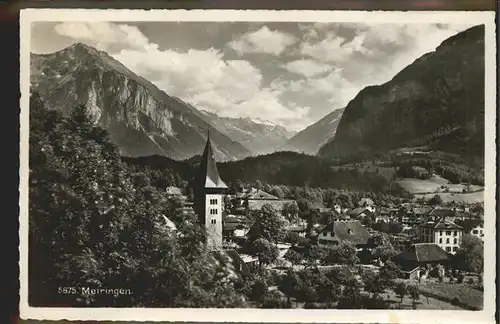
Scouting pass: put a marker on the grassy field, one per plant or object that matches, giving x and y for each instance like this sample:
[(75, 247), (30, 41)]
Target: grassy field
[(436, 184), (423, 303), (464, 293), (417, 186), (473, 197)]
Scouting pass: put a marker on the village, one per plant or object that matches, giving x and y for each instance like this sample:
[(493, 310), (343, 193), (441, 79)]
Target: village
[(429, 248)]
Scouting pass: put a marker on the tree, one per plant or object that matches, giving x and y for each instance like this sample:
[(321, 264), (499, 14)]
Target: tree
[(294, 257), (93, 224), (289, 284), (373, 284), (435, 200), (401, 290), (292, 238), (395, 228), (351, 299), (313, 253), (268, 225), (291, 212), (259, 290), (414, 294), (389, 272), (383, 248), (470, 255), (266, 252), (329, 292), (272, 299), (277, 192), (239, 185), (344, 253)]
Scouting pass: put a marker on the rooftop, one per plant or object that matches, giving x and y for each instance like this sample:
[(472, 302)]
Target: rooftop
[(441, 224), (423, 252), (348, 230), (208, 174)]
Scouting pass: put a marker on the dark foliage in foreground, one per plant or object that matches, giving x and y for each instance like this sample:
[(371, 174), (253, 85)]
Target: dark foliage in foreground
[(91, 224)]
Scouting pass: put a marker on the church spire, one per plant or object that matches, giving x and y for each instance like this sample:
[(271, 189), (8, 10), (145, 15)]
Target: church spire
[(208, 174)]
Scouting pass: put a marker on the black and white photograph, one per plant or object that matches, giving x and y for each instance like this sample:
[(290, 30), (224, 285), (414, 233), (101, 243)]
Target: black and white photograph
[(249, 163)]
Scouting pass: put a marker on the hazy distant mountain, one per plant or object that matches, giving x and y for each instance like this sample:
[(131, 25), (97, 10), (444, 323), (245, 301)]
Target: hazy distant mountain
[(310, 139), (437, 101), (257, 135), (141, 119)]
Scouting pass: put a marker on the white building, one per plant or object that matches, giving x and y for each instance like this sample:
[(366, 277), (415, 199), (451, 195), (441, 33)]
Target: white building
[(444, 233), (478, 232)]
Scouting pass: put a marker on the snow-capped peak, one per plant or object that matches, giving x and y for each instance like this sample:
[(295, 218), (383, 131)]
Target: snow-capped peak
[(263, 122)]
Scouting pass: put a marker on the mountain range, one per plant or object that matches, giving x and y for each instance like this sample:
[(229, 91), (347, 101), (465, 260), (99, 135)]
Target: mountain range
[(259, 136), (141, 119), (437, 103), (313, 137)]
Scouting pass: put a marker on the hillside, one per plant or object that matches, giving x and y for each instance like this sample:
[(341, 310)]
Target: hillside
[(437, 102), (312, 138), (258, 136), (141, 119)]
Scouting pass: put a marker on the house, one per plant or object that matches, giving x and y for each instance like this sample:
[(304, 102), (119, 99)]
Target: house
[(299, 229), (173, 191), (478, 231), (168, 223), (236, 264), (413, 215), (234, 227), (383, 218), (364, 202), (258, 198), (343, 231), (360, 213), (337, 208), (414, 260), (440, 212), (444, 233), (318, 206), (234, 230), (282, 249), (367, 203)]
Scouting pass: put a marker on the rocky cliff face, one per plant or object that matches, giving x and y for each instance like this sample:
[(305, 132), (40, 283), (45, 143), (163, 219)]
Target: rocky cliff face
[(259, 136), (141, 119), (312, 138), (437, 101)]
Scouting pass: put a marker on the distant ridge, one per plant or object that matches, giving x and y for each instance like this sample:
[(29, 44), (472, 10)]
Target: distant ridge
[(141, 119), (436, 102)]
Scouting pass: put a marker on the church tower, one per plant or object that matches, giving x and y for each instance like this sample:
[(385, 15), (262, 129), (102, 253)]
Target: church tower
[(208, 193)]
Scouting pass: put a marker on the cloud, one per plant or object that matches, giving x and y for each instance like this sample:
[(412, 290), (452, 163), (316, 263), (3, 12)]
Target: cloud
[(195, 72), (264, 41), (332, 90), (330, 63), (372, 54), (104, 35), (307, 68)]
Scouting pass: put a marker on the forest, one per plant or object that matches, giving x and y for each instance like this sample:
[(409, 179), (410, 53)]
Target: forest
[(93, 224)]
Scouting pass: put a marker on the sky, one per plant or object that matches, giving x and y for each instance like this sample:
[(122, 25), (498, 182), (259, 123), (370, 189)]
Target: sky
[(289, 73)]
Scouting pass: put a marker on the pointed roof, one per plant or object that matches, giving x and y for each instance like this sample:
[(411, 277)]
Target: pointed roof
[(261, 194), (208, 174)]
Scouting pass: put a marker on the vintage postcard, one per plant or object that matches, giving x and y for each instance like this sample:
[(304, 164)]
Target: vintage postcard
[(250, 166)]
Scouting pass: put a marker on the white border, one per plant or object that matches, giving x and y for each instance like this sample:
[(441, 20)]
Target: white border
[(263, 315)]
